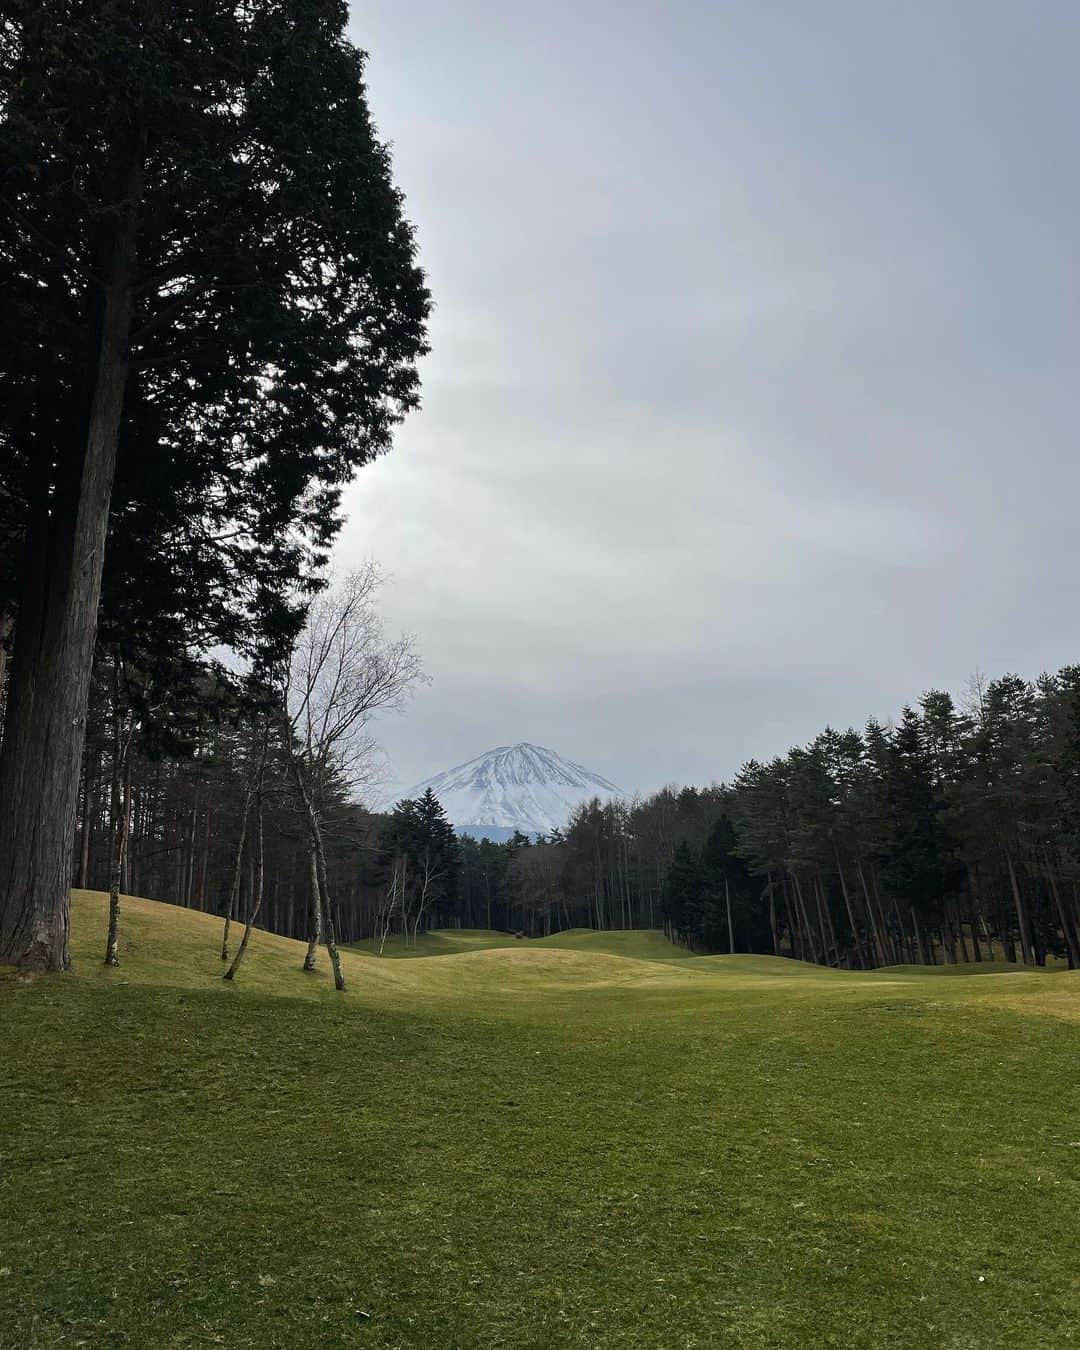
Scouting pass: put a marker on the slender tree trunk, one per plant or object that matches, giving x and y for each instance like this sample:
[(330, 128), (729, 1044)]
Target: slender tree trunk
[(859, 950), (948, 946), (795, 919), (1068, 932), (234, 886), (120, 799), (1008, 942), (205, 859), (254, 787), (119, 808), (189, 891), (876, 928), (828, 933), (1021, 912), (312, 954), (961, 941), (730, 926), (322, 887), (327, 908), (808, 926), (976, 946), (923, 958), (256, 897), (772, 917), (89, 811)]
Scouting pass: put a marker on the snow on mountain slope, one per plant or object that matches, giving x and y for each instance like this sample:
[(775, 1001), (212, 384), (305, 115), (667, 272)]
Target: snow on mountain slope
[(523, 787)]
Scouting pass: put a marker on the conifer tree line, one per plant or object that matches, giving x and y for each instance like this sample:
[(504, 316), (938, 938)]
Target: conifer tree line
[(951, 836)]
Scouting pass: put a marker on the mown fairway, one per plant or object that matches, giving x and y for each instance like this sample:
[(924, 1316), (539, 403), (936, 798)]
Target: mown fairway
[(570, 1143)]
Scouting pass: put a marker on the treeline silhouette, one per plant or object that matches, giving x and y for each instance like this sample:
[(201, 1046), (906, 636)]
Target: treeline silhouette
[(952, 835)]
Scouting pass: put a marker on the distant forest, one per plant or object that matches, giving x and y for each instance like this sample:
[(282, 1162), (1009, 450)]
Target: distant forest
[(953, 835)]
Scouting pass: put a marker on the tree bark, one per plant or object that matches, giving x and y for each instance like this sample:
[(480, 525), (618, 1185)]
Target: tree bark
[(1068, 932), (327, 909), (315, 940), (256, 898), (234, 887), (730, 926), (878, 950), (1021, 912), (322, 887), (859, 949), (772, 917), (54, 641), (89, 811), (121, 809)]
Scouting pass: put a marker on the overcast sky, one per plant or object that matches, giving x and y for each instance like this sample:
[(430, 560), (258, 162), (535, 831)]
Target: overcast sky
[(753, 399)]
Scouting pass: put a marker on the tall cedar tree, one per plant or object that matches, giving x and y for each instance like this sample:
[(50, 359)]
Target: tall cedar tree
[(207, 273)]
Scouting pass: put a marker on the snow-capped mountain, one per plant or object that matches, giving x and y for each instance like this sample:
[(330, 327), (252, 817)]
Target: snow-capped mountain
[(514, 787)]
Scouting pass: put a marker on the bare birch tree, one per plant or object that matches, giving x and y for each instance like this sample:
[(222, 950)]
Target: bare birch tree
[(344, 670), (255, 793), (256, 898)]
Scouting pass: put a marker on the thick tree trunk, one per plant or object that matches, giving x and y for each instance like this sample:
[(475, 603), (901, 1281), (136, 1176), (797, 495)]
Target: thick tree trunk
[(54, 644)]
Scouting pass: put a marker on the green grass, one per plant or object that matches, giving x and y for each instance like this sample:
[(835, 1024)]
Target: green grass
[(584, 1141), (644, 944)]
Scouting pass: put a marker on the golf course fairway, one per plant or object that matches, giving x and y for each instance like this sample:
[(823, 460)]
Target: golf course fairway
[(590, 1140)]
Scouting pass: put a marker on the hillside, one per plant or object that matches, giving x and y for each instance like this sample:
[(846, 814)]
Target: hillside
[(591, 1140)]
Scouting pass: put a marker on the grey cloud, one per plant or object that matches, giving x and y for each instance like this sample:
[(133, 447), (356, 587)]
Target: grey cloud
[(751, 401)]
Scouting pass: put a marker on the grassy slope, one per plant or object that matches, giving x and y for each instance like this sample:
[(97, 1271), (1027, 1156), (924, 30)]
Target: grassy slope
[(537, 1144), (645, 945)]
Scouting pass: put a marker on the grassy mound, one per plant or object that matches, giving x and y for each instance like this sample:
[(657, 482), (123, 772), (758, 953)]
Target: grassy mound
[(641, 944), (584, 1141)]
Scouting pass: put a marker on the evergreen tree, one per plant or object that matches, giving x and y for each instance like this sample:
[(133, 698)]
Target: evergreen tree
[(209, 276), (684, 894)]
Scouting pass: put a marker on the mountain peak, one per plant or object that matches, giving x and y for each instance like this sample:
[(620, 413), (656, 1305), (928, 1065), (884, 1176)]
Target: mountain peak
[(523, 787)]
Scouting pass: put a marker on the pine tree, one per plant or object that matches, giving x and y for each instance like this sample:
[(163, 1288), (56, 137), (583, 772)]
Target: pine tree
[(684, 894)]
